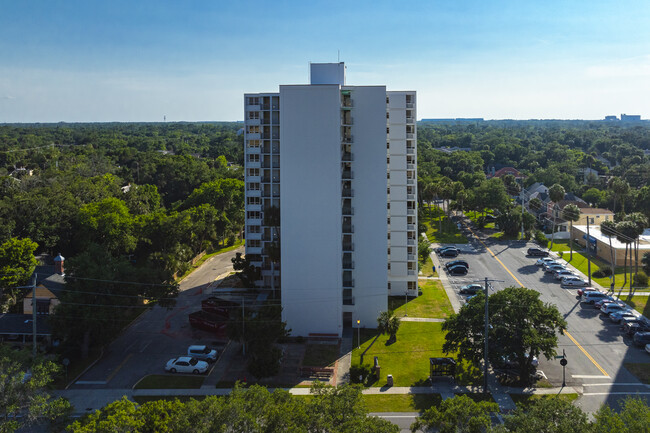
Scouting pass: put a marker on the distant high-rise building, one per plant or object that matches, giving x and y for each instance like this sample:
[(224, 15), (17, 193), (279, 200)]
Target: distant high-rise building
[(331, 192), (630, 117)]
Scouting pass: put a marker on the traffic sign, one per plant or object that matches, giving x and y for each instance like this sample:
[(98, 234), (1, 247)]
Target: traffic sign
[(563, 362)]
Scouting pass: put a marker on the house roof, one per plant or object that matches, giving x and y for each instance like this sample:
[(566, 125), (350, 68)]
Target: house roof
[(49, 279), (581, 204), (596, 211), (41, 292), (21, 324), (507, 170)]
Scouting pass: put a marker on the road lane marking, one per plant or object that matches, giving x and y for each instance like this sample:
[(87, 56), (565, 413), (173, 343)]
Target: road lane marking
[(616, 384), (615, 393), (585, 352), (112, 375), (589, 376), (519, 282), (90, 382)]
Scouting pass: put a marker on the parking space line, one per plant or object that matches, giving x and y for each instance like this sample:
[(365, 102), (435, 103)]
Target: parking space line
[(518, 282)]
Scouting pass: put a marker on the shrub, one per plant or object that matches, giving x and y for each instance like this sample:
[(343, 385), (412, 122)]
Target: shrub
[(560, 254), (602, 273), (359, 373), (540, 238), (641, 279)]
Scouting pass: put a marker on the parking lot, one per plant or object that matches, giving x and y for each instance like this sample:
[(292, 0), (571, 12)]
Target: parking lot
[(596, 349)]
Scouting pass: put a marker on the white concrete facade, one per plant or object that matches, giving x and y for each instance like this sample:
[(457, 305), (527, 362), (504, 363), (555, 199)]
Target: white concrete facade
[(342, 172)]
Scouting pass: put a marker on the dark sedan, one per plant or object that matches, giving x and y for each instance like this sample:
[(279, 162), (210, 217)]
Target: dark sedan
[(457, 263), (450, 252), (537, 252), (457, 270)]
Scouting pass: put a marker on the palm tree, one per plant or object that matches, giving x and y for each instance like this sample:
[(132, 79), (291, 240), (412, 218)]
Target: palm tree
[(626, 233), (641, 222), (608, 228), (556, 193), (388, 323), (571, 213), (620, 188)]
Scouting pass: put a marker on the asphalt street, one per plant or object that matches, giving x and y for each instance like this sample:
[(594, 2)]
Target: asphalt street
[(595, 349), (157, 335)]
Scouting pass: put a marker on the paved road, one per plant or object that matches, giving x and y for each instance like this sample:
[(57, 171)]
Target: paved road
[(595, 348), (157, 335)]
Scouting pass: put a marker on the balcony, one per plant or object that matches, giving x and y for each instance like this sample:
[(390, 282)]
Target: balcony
[(410, 257), (348, 228), (411, 272), (346, 139), (346, 156), (253, 121), (410, 242), (410, 211), (410, 135), (410, 182), (410, 120), (347, 210), (253, 135), (253, 164), (346, 103), (348, 300), (253, 150), (253, 193), (346, 121), (253, 236), (410, 105), (347, 174), (410, 227), (410, 196), (410, 150), (255, 107), (347, 192), (348, 283), (348, 246), (348, 264), (410, 166)]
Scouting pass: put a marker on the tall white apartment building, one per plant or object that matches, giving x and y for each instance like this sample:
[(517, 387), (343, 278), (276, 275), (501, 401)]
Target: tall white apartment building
[(339, 162)]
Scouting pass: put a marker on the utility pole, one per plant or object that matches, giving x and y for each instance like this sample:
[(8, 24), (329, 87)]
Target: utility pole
[(589, 253), (485, 350), (243, 325), (522, 208), (34, 277)]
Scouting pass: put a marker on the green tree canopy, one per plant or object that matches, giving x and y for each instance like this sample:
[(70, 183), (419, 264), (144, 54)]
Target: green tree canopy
[(17, 265)]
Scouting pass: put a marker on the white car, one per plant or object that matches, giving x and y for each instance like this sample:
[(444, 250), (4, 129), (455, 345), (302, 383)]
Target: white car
[(613, 307), (552, 269), (202, 352), (186, 364), (575, 283), (563, 273), (543, 260)]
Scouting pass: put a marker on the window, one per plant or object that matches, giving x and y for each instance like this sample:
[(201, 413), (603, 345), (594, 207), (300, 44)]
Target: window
[(253, 215), (254, 229), (411, 285), (254, 158), (591, 220), (253, 171), (253, 114), (253, 100), (253, 129), (254, 200), (253, 186), (253, 243), (253, 143)]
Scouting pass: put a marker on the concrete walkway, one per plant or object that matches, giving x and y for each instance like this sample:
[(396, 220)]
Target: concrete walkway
[(420, 319), (453, 299)]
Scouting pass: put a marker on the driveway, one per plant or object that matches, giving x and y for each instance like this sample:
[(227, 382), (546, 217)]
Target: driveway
[(158, 334)]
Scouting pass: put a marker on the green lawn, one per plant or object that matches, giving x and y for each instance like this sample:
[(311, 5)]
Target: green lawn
[(474, 216), (525, 400), (449, 233), (164, 381), (432, 303), (640, 370), (639, 303), (237, 244), (407, 359), (401, 402), (427, 268), (581, 263), (320, 355)]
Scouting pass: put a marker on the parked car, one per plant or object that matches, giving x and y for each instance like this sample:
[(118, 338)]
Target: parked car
[(457, 270), (470, 297), (607, 300), (641, 338), (631, 327), (575, 283), (613, 307), (441, 249), (543, 260), (512, 363), (457, 262), (561, 273), (617, 316), (471, 289), (587, 289), (548, 263), (537, 252), (450, 252), (186, 364), (551, 269), (202, 352), (591, 297)]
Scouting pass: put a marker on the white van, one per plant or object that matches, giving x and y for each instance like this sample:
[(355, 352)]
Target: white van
[(203, 353)]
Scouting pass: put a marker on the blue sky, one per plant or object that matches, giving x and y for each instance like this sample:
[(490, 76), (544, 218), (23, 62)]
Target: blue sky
[(141, 60)]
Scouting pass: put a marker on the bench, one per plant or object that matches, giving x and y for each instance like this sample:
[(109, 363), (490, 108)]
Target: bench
[(317, 372)]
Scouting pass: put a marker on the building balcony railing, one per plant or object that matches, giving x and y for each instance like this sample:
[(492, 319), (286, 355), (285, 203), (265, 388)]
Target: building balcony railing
[(348, 228), (410, 182), (410, 242), (346, 103), (347, 192), (347, 174), (253, 121), (410, 227), (348, 283), (410, 196), (347, 211), (255, 107), (410, 211), (253, 150), (346, 156), (348, 246), (348, 264), (411, 272), (410, 120), (409, 105), (410, 150), (346, 139), (410, 257), (253, 164), (410, 135), (348, 300)]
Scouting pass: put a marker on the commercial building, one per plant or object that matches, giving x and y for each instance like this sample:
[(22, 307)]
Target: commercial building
[(331, 184)]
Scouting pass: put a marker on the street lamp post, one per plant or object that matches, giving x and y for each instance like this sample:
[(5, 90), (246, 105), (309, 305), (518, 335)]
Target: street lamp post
[(358, 333)]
